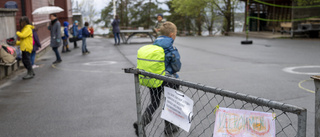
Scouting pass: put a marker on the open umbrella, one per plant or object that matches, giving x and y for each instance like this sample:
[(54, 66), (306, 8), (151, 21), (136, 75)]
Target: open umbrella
[(47, 10)]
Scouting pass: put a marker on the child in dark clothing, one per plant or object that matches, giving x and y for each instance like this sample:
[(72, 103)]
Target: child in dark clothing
[(36, 46), (85, 34)]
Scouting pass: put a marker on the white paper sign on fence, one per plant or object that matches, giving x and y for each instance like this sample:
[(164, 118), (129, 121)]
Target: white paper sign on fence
[(243, 123), (177, 108)]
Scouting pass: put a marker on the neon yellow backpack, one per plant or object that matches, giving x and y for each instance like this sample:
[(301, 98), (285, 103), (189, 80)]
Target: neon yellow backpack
[(150, 58)]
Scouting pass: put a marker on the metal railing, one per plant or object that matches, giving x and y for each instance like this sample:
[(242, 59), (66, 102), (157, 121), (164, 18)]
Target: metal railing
[(290, 120)]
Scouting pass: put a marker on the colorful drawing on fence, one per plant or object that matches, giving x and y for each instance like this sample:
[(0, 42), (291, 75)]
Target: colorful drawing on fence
[(177, 108), (243, 123)]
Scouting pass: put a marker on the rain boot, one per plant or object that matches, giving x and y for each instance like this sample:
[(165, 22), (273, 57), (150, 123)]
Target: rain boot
[(29, 75), (68, 48), (146, 119), (170, 128)]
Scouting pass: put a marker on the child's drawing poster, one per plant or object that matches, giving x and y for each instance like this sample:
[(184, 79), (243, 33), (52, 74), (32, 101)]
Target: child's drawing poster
[(243, 123)]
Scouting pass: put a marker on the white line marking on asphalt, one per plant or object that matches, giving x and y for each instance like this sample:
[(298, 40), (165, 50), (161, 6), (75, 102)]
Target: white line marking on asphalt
[(293, 70), (99, 63)]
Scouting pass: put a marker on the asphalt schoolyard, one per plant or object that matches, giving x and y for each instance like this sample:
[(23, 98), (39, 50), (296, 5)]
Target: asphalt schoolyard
[(90, 95)]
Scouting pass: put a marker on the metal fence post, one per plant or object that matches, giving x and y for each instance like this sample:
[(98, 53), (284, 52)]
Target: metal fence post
[(302, 124), (317, 105), (138, 103)]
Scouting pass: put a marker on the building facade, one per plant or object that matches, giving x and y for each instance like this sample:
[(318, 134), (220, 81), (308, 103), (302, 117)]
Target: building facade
[(276, 14), (7, 27)]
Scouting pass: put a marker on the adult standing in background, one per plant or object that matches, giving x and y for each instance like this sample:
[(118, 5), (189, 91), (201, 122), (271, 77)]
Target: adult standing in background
[(116, 30), (74, 32), (55, 31)]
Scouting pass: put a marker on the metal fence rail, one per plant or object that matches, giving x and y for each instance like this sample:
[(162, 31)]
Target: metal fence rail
[(290, 120)]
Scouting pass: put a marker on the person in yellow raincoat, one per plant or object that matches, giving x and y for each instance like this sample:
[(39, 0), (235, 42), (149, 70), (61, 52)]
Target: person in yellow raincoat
[(26, 44)]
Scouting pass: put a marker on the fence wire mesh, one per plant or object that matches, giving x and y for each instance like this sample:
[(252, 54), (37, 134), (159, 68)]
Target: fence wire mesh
[(290, 120)]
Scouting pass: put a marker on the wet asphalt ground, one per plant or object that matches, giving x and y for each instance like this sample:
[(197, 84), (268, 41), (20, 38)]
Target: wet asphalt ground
[(90, 95)]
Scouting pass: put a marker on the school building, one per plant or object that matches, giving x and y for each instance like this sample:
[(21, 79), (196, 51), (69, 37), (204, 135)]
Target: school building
[(282, 16)]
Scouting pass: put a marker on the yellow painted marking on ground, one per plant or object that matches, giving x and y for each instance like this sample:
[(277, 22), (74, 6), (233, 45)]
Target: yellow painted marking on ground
[(300, 83)]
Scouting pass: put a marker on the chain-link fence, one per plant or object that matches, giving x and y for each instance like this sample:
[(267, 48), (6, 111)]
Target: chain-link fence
[(290, 120)]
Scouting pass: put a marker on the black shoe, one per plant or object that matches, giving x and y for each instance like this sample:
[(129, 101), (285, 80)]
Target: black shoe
[(76, 47), (135, 126), (63, 52), (88, 52), (57, 61), (68, 50)]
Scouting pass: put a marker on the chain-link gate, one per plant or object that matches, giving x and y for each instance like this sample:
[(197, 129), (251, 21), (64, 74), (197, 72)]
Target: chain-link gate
[(290, 120)]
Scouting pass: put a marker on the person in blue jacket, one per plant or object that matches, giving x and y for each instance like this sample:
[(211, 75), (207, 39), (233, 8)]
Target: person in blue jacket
[(74, 32), (65, 47), (116, 30), (168, 33), (85, 33)]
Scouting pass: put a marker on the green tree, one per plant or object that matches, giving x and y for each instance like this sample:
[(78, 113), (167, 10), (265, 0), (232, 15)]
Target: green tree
[(123, 8), (191, 8), (106, 15), (226, 8), (210, 17), (182, 22), (123, 12), (87, 10), (204, 12), (144, 13), (132, 13)]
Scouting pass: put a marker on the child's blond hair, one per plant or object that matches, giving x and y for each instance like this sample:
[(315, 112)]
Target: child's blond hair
[(167, 28)]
